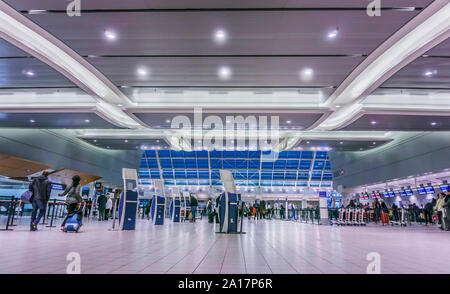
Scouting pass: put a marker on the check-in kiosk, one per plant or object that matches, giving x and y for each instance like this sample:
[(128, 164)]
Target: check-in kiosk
[(128, 204), (175, 206), (229, 206), (158, 204)]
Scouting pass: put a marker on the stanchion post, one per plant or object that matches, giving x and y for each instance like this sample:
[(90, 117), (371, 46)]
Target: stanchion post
[(14, 205), (9, 216), (53, 215)]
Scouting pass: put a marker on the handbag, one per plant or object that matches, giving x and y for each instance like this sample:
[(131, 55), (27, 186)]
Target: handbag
[(26, 196)]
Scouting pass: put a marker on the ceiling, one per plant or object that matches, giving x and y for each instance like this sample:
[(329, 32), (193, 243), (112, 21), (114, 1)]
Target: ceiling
[(125, 69)]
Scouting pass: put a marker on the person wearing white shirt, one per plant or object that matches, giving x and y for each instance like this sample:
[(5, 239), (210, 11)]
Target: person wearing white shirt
[(108, 206)]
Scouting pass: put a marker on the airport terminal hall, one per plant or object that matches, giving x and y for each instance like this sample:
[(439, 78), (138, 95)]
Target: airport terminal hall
[(224, 137)]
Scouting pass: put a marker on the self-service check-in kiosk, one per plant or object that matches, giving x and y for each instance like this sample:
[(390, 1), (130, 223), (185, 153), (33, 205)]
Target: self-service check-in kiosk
[(128, 205), (175, 206), (230, 205), (158, 204)]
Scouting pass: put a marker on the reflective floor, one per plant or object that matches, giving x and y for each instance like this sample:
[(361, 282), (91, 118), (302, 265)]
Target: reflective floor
[(270, 246)]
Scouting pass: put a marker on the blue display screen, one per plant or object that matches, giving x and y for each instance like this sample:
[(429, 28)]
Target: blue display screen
[(444, 188), (391, 193), (57, 187), (408, 192), (402, 193), (421, 191), (386, 194), (429, 190)]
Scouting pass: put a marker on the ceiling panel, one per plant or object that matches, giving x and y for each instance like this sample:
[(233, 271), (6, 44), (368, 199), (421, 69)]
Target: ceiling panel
[(442, 49), (249, 32), (53, 120), (15, 167), (164, 4), (13, 73), (7, 50), (330, 71), (64, 176), (396, 122), (128, 144), (414, 75), (287, 120), (338, 145)]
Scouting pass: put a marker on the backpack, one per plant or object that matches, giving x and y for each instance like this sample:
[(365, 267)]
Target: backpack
[(26, 196)]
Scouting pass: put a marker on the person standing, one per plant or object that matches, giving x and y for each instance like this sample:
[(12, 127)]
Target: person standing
[(439, 209), (87, 212), (377, 210), (428, 211), (108, 206), (41, 188), (446, 213), (73, 199), (194, 205), (101, 202)]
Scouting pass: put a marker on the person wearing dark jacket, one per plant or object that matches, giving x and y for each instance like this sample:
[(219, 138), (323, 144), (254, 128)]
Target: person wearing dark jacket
[(446, 215), (377, 209), (428, 211), (73, 200), (194, 205), (101, 202), (41, 188)]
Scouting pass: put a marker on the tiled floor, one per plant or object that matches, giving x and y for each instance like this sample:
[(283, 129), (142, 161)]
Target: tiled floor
[(268, 247)]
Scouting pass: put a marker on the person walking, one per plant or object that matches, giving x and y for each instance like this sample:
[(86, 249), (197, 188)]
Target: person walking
[(101, 202), (41, 188), (108, 206), (194, 205), (73, 199)]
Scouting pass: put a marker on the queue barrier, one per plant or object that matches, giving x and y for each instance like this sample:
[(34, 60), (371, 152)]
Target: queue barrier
[(54, 210)]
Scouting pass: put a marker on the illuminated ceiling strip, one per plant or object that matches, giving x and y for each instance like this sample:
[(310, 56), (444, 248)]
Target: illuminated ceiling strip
[(426, 30), (26, 35)]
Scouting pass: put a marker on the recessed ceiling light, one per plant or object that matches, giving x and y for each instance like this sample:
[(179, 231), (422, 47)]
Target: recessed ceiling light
[(157, 141), (224, 72), (333, 34), (430, 73), (288, 121), (29, 73), (168, 121), (32, 121), (341, 142), (307, 142), (142, 72), (120, 105), (374, 143), (110, 35), (95, 140), (433, 123), (126, 141), (87, 121), (107, 147), (373, 122), (220, 36), (306, 74)]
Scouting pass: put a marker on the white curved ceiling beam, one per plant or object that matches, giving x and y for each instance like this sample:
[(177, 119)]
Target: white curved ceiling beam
[(26, 35), (426, 30)]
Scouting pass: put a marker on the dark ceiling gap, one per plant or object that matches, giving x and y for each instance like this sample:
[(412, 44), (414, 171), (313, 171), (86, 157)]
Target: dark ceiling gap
[(253, 9)]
